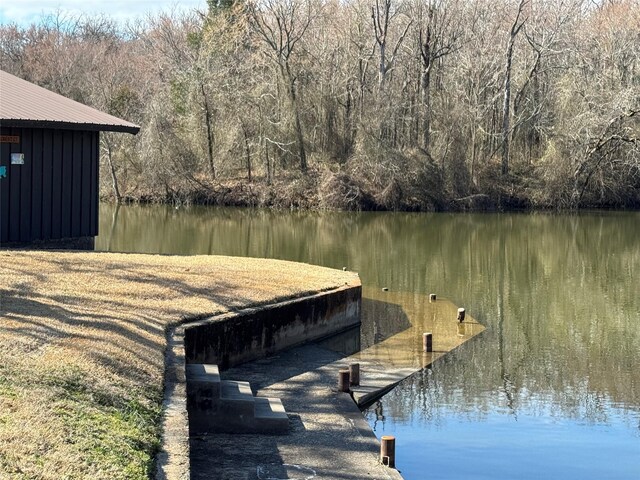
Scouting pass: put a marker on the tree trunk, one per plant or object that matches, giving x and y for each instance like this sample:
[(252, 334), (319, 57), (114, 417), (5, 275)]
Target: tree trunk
[(426, 108), (300, 139), (426, 52), (247, 150), (382, 68), (474, 148), (362, 78), (112, 169), (348, 124), (506, 111), (267, 161), (506, 105), (207, 117), (293, 102)]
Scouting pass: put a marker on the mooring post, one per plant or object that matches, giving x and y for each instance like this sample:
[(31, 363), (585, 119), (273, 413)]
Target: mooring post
[(354, 374), (388, 451), (461, 313), (427, 342), (432, 297), (343, 380)]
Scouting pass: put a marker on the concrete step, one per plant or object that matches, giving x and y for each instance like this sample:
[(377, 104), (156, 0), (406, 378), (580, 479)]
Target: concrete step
[(202, 372), (203, 387), (236, 398), (225, 406), (270, 416)]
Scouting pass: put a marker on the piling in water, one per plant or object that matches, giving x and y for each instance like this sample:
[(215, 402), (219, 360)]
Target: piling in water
[(432, 297), (461, 314), (388, 451), (427, 342), (343, 380), (354, 374)]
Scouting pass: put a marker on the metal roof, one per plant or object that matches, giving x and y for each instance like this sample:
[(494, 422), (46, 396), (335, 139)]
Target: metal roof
[(24, 104)]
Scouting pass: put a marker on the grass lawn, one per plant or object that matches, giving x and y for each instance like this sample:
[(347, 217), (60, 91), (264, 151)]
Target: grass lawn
[(82, 339)]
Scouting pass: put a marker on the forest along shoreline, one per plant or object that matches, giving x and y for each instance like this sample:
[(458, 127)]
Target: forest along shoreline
[(337, 192), (321, 191), (433, 105)]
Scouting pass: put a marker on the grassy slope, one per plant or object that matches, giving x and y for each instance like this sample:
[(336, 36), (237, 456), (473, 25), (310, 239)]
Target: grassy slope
[(82, 337)]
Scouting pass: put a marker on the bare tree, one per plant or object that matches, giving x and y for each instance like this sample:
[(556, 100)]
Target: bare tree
[(616, 135), (381, 15), (438, 36), (517, 25), (537, 108), (281, 24)]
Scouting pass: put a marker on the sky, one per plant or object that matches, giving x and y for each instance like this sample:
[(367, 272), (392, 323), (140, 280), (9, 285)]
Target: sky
[(25, 12)]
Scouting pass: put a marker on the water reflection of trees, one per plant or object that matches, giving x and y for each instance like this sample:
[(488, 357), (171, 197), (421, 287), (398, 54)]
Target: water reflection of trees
[(561, 300), (557, 292)]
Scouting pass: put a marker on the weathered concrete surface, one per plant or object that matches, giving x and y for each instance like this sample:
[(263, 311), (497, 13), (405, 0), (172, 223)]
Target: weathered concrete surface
[(260, 330), (228, 406), (386, 363), (328, 439), (173, 460), (231, 339)]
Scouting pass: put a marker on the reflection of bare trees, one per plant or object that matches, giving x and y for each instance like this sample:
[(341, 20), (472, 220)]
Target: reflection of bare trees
[(557, 292), (381, 320), (560, 294)]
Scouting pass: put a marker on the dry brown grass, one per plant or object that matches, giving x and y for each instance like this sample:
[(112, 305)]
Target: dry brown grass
[(82, 337)]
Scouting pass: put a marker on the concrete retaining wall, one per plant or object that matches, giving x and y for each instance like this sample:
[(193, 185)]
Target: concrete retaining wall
[(235, 338), (238, 337)]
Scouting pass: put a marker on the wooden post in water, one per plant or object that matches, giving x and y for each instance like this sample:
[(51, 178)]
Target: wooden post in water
[(427, 342), (432, 297), (343, 380), (461, 313), (388, 451), (354, 374)]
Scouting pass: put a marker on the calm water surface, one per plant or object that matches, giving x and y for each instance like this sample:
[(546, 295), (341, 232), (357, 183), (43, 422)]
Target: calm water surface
[(550, 390)]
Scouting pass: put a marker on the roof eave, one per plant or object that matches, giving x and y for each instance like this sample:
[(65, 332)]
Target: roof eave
[(22, 123)]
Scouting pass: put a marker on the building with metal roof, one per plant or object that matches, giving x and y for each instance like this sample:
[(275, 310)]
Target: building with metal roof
[(49, 165)]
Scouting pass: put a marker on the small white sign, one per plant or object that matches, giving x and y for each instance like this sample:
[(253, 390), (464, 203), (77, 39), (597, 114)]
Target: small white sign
[(17, 159)]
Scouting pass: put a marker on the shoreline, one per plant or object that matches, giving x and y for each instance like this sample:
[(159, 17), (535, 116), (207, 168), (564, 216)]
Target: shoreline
[(309, 193)]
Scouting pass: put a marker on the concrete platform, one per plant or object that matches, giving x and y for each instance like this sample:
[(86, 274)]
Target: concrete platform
[(384, 364), (231, 338), (329, 438)]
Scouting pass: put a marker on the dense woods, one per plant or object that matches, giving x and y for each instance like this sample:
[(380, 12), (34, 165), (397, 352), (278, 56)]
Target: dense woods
[(358, 104)]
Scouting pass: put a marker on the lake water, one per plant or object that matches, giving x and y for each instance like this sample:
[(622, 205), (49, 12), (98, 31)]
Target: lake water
[(550, 390)]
